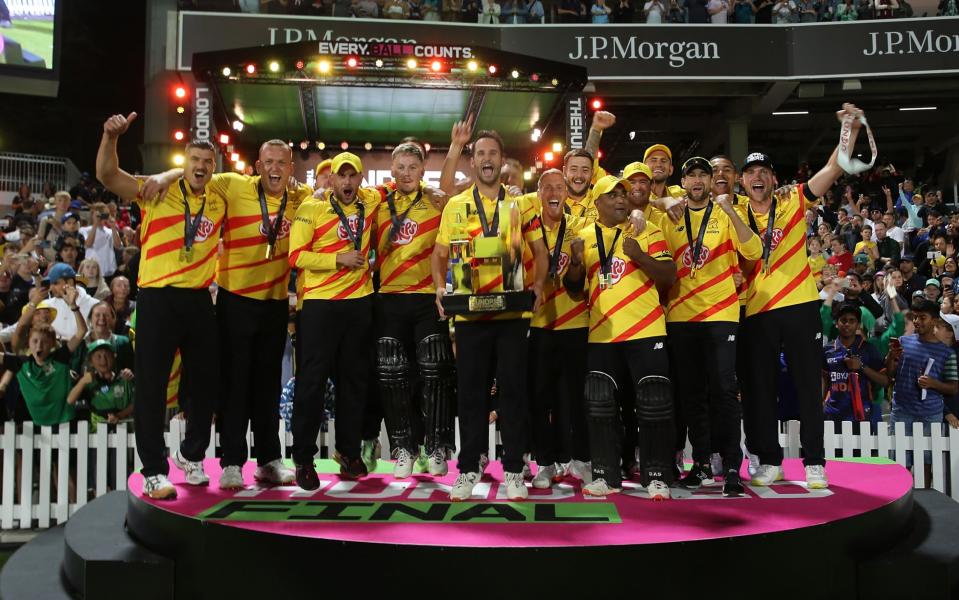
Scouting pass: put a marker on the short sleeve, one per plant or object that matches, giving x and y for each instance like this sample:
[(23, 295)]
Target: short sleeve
[(656, 243)]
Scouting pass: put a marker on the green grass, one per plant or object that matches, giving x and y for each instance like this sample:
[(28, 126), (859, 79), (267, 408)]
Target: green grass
[(35, 37)]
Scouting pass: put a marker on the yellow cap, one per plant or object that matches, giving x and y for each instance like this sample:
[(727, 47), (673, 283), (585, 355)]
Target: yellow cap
[(608, 183), (654, 148), (44, 305), (325, 164), (637, 167), (346, 158)]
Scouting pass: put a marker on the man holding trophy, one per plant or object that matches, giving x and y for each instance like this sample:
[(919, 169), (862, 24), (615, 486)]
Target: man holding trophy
[(481, 241)]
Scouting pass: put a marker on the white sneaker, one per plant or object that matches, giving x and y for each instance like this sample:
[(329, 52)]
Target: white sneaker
[(767, 474), (716, 464), (816, 477), (753, 467), (275, 472), (463, 486), (483, 463), (515, 486), (599, 488), (437, 463), (527, 471), (231, 478), (193, 469), (404, 464), (580, 470), (657, 490), (158, 487), (546, 475)]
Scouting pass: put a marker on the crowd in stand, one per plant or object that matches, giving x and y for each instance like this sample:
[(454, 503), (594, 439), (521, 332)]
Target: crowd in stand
[(585, 11)]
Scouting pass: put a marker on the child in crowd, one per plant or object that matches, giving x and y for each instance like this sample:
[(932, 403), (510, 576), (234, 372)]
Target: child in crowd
[(104, 390), (44, 377), (816, 259), (849, 365)]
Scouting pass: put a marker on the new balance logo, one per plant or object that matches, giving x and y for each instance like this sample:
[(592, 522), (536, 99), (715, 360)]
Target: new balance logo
[(819, 336), (731, 338), (658, 346)]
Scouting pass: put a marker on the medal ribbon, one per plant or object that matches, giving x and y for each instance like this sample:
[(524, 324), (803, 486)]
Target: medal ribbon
[(844, 157), (489, 229), (190, 228), (697, 248), (397, 220), (556, 251), (356, 238), (605, 259), (272, 232)]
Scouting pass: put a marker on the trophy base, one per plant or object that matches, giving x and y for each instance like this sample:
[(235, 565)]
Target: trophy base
[(479, 304)]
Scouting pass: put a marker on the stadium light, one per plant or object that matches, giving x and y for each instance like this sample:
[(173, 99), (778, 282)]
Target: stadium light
[(178, 160), (596, 104), (224, 139), (251, 68), (238, 125), (178, 135), (227, 71)]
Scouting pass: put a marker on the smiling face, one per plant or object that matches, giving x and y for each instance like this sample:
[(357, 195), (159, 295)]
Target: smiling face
[(612, 207), (275, 166), (102, 360), (578, 172), (487, 161), (759, 182), (103, 319), (724, 176), (661, 166), (640, 186), (199, 167), (551, 194)]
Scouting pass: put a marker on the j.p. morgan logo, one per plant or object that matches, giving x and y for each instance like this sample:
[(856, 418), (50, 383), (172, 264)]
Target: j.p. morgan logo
[(911, 42), (596, 47)]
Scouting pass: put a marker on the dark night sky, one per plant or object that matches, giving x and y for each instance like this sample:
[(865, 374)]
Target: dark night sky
[(101, 72)]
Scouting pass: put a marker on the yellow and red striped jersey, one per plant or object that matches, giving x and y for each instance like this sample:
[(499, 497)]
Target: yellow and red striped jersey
[(317, 236), (463, 204), (789, 280), (583, 208), (629, 309), (559, 310), (708, 293), (161, 237), (404, 260), (816, 263), (243, 267)]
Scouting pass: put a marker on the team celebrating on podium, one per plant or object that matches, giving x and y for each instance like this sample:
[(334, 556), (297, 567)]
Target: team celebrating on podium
[(659, 313)]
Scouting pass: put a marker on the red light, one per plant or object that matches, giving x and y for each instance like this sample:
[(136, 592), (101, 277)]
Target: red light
[(436, 65), (492, 69), (251, 69), (299, 64), (178, 135), (224, 139), (180, 92), (534, 76), (351, 62), (599, 154), (344, 145), (597, 104), (548, 157)]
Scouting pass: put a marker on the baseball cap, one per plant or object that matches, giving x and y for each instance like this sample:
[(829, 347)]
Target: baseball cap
[(880, 273), (637, 167), (659, 147), (918, 294), (346, 158), (608, 183), (324, 164), (697, 162), (907, 257), (67, 216), (953, 321), (933, 281), (97, 344), (861, 259), (60, 271), (758, 158), (44, 305)]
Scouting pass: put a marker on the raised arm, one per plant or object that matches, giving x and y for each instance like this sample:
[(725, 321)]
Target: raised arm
[(829, 174), (109, 172), (459, 137)]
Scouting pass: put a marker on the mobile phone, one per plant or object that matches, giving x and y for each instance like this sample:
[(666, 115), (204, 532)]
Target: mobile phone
[(894, 343)]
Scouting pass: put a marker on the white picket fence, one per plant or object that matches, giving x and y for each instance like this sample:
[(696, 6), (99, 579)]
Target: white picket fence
[(42, 461)]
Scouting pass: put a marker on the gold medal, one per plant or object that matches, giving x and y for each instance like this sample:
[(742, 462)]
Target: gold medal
[(605, 281), (269, 252), (186, 254)]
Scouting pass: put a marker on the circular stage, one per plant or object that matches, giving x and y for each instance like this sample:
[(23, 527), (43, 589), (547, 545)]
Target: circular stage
[(386, 527)]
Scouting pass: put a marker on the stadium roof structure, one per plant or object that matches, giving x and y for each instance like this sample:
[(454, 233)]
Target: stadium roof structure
[(323, 93)]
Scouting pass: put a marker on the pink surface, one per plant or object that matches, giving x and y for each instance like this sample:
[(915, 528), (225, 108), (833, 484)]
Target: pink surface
[(854, 489)]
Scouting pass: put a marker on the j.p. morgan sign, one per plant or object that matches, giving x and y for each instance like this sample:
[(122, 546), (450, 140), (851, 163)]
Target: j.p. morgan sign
[(695, 52)]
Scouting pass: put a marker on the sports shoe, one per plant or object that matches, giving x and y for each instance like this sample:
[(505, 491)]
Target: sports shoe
[(231, 478), (369, 451), (733, 485), (698, 476), (193, 469), (716, 464), (306, 477), (546, 475), (515, 486), (275, 473), (437, 463), (816, 477), (657, 490), (158, 487), (350, 468), (599, 488), (680, 465), (632, 471), (579, 469), (483, 463), (463, 486), (404, 464), (527, 471), (753, 465), (767, 474), (422, 463)]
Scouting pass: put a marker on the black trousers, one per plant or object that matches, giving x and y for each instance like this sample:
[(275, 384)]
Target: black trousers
[(557, 375), (252, 339), (169, 318), (507, 344), (335, 341), (797, 332), (408, 318), (706, 390), (627, 363)]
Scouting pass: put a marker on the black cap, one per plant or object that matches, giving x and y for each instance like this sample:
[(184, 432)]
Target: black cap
[(849, 309), (908, 257), (758, 158), (697, 162)]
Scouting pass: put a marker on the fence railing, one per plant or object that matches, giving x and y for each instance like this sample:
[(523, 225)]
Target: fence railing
[(49, 474), (35, 170)]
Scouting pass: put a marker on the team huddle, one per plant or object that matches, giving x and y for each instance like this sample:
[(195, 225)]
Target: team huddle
[(650, 299)]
